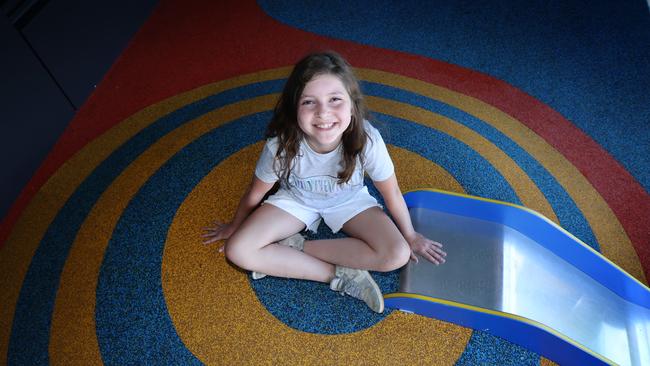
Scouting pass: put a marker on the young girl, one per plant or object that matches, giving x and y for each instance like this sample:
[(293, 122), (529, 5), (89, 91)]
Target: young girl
[(319, 146)]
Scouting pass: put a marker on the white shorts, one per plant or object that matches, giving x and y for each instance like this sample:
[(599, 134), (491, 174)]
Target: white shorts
[(335, 217)]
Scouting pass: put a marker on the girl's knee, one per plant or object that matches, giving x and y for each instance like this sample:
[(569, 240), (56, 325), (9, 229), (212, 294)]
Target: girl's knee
[(395, 256), (236, 253)]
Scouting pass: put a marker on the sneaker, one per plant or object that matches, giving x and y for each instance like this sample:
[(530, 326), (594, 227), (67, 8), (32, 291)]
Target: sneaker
[(295, 241), (257, 275), (359, 284)]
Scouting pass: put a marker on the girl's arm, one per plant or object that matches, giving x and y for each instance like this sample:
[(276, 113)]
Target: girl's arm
[(396, 205), (249, 201)]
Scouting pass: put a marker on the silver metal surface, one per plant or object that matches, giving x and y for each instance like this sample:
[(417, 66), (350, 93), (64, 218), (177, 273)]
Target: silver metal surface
[(495, 267)]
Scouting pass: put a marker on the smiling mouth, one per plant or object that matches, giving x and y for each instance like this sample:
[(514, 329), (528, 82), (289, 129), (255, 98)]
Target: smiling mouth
[(325, 126)]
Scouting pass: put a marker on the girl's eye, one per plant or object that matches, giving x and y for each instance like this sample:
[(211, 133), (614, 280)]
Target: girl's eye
[(335, 99), (307, 102)]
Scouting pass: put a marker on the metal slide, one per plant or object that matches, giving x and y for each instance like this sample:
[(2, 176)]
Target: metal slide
[(515, 274)]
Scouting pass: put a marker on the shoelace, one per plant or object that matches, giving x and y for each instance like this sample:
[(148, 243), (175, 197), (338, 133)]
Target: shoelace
[(352, 288)]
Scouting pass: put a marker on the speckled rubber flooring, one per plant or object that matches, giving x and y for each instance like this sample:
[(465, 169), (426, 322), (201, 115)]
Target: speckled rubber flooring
[(102, 261)]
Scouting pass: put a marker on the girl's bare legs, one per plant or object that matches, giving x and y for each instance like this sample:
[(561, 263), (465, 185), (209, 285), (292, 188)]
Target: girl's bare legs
[(253, 247), (375, 243)]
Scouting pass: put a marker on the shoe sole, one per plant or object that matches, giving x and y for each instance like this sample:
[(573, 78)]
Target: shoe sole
[(257, 275), (375, 287)]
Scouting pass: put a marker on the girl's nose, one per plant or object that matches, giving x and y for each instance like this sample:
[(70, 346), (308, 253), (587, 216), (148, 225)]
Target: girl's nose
[(323, 110)]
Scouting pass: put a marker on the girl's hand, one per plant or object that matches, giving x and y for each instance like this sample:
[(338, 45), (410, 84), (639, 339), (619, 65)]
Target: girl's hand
[(429, 249), (218, 231)]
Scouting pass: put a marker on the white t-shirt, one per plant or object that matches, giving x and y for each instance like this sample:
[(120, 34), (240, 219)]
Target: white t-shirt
[(314, 178)]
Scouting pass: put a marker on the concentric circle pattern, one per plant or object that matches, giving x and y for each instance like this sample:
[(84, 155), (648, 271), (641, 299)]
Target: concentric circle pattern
[(114, 270)]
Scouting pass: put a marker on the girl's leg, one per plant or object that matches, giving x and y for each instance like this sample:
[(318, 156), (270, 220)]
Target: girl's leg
[(253, 247), (375, 243)]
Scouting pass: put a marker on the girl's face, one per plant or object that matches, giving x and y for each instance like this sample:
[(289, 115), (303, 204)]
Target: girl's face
[(324, 112)]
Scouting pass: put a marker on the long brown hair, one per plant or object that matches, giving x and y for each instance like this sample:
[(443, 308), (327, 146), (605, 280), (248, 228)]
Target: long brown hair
[(284, 124)]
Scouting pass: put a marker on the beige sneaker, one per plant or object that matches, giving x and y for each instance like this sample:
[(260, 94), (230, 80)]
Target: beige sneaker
[(295, 241), (359, 284)]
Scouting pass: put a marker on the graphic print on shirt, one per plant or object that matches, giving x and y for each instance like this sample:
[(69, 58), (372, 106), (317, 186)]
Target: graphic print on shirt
[(316, 184)]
